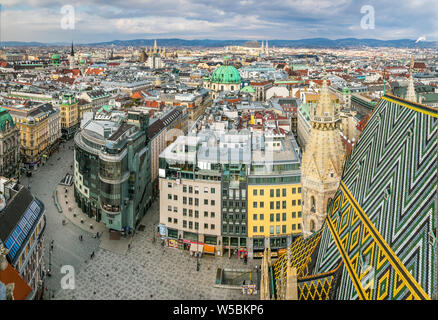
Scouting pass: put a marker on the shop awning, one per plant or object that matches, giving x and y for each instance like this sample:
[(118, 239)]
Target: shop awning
[(208, 249)]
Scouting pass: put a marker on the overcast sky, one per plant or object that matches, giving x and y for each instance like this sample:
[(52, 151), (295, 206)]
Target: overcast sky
[(104, 20)]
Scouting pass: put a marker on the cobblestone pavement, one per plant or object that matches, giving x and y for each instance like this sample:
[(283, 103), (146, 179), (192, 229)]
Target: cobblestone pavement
[(68, 250), (150, 271), (146, 271), (69, 209)]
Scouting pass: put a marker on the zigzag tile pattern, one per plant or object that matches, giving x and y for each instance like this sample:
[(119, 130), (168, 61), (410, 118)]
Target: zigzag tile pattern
[(320, 287), (378, 241), (382, 220), (301, 253)]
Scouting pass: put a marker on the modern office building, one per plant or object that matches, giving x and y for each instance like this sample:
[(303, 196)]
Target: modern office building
[(274, 194), (189, 198), (112, 169), (248, 184)]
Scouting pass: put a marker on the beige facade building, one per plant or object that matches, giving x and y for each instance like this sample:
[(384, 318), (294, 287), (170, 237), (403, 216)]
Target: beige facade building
[(39, 131), (322, 161), (191, 209), (190, 202)]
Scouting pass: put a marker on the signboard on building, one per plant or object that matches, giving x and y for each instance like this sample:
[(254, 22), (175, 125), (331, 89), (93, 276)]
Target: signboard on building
[(172, 243), (162, 229)]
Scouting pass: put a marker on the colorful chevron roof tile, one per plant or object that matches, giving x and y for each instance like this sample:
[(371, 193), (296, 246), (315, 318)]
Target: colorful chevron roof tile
[(378, 241)]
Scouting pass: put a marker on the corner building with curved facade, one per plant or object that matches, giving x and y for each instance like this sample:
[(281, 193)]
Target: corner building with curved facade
[(112, 170)]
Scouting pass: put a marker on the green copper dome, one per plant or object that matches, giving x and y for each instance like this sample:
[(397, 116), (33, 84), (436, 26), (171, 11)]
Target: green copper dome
[(5, 117), (346, 90), (226, 74), (248, 89), (55, 56)]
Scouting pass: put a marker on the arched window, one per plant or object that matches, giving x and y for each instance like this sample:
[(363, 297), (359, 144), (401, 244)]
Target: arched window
[(312, 226), (329, 203), (312, 202)]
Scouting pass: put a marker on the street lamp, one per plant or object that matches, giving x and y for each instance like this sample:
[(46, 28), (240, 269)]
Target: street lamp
[(197, 249)]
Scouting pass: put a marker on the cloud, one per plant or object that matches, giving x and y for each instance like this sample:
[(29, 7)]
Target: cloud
[(101, 20)]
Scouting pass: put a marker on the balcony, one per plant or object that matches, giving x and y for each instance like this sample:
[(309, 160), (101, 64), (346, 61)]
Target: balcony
[(234, 184), (326, 119)]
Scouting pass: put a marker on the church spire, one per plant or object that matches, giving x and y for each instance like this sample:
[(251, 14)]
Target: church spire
[(322, 161), (325, 106), (410, 93)]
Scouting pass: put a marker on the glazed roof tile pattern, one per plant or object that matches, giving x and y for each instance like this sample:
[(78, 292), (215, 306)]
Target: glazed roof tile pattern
[(301, 252), (383, 217), (381, 224), (320, 287)]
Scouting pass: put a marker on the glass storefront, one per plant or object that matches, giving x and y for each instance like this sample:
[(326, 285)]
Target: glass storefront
[(210, 240), (172, 233), (110, 196), (110, 170)]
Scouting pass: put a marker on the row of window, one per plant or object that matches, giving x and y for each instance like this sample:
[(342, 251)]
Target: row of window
[(190, 200), (190, 224), (275, 204), (195, 189), (236, 229), (276, 192), (190, 212), (277, 229), (234, 217), (234, 194), (234, 204), (277, 216)]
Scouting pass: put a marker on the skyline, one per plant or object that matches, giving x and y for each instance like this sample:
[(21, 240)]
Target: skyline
[(100, 21)]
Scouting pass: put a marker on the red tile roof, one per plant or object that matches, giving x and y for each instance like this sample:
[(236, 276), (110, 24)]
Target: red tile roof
[(10, 275)]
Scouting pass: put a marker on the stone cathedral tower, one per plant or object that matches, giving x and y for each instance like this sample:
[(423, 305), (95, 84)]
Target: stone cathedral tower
[(410, 93), (322, 161)]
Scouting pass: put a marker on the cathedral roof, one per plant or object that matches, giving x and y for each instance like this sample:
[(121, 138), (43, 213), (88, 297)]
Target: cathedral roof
[(381, 224)]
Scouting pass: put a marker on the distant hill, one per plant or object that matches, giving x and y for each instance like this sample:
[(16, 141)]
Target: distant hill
[(307, 43), (303, 43), (31, 44)]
